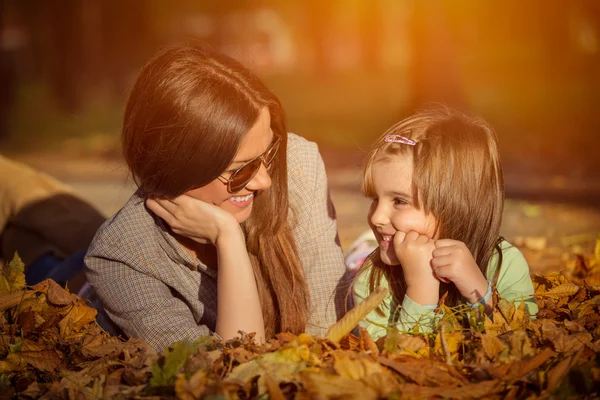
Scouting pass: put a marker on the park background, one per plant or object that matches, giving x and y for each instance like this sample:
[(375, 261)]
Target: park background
[(344, 71)]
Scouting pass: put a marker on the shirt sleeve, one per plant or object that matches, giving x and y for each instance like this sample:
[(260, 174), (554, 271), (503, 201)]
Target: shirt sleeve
[(514, 282), (410, 317), (317, 238), (142, 306)]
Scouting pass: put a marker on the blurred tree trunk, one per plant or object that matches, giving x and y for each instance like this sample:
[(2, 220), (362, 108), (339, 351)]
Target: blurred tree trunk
[(434, 75), (319, 14), (66, 79), (127, 41)]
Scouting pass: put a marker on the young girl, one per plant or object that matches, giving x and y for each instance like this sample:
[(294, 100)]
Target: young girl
[(438, 194)]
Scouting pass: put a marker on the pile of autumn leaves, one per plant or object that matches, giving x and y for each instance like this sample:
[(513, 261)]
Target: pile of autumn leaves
[(51, 347)]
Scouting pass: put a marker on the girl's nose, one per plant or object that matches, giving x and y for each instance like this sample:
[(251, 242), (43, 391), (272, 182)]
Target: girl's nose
[(378, 215)]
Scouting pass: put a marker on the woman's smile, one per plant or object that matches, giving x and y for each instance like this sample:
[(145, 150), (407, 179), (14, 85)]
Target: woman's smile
[(241, 201)]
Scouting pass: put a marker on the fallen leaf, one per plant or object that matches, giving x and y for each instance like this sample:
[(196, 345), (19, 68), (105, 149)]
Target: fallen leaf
[(492, 346), (12, 276), (58, 295)]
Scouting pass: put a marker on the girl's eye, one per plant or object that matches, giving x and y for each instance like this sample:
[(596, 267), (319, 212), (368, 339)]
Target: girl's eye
[(399, 202)]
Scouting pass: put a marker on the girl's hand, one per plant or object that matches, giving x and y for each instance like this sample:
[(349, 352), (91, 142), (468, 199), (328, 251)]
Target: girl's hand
[(194, 219), (415, 253), (452, 261)]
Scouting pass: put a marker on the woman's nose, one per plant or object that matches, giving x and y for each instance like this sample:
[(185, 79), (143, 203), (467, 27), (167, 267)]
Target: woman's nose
[(261, 181)]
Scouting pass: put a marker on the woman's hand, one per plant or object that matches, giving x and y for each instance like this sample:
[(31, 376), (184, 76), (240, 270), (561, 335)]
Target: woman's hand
[(415, 253), (452, 261), (194, 219)]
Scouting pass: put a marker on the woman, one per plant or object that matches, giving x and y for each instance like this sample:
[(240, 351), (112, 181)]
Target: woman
[(232, 228)]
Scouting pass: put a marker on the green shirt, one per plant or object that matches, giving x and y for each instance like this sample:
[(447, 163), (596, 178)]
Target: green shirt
[(514, 284)]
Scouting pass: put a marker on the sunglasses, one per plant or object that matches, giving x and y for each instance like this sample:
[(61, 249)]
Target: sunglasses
[(244, 174)]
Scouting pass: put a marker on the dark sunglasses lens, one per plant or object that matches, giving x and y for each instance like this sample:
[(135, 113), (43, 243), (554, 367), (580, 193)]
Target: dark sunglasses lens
[(242, 177)]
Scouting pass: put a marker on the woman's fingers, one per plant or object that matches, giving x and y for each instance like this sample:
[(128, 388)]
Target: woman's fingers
[(157, 208)]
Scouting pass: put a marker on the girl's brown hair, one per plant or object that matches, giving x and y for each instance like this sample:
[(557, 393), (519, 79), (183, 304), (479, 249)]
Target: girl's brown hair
[(185, 119), (457, 177)]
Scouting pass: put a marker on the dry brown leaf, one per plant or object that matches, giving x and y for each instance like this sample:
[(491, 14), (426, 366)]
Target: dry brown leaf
[(366, 343), (44, 360), (58, 295), (424, 372), (9, 300), (521, 368), (564, 343), (328, 386), (520, 345), (557, 373)]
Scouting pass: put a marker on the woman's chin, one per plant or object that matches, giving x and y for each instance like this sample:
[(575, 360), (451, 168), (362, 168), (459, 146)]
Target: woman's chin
[(240, 214)]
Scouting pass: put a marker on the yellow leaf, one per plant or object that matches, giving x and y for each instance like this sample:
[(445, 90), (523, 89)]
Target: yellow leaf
[(409, 342), (13, 363), (564, 290), (79, 316), (192, 388), (12, 276), (492, 346), (452, 343), (345, 325)]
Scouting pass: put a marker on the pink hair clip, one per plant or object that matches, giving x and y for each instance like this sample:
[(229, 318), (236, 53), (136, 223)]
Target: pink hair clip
[(399, 139)]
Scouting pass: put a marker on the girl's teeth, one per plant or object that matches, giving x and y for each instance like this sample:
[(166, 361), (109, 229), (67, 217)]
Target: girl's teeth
[(242, 199)]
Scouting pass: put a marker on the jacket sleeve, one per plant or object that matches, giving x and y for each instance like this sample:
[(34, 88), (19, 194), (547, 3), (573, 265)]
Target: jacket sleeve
[(141, 305)]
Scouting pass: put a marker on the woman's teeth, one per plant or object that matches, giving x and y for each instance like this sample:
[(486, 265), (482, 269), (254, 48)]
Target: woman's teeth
[(241, 199), (387, 238)]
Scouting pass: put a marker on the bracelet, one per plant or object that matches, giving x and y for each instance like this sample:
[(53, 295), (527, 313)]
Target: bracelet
[(485, 298)]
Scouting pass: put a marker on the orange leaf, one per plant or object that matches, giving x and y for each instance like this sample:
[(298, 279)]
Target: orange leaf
[(424, 372)]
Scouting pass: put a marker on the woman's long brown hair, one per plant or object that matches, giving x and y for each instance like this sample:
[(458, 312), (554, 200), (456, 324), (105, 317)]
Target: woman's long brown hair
[(185, 119), (457, 177)]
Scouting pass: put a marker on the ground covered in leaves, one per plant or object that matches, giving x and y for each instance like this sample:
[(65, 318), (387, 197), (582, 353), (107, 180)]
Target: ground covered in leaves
[(52, 348)]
